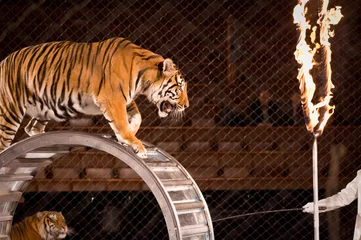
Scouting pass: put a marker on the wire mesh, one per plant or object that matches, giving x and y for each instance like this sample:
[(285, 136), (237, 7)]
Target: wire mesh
[(235, 55)]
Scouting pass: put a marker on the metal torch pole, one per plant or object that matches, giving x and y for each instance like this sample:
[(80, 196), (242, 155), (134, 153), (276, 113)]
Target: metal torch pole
[(316, 221)]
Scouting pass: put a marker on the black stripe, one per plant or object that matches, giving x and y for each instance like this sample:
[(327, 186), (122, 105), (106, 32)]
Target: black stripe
[(141, 55), (131, 79), (7, 139), (140, 74), (152, 57), (7, 129), (128, 43), (89, 55), (121, 89), (83, 50), (43, 68), (11, 111), (71, 103), (131, 107), (106, 50), (66, 70)]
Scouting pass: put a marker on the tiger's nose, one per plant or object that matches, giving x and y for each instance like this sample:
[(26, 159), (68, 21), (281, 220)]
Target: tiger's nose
[(186, 105)]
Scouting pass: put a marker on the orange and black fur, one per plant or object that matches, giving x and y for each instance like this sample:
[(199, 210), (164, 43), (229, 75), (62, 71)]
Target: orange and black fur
[(47, 225), (59, 80)]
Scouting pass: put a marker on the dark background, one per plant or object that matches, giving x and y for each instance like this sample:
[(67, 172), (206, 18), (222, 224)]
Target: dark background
[(228, 51)]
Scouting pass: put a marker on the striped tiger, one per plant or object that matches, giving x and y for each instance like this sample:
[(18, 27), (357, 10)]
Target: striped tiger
[(47, 225), (59, 80)]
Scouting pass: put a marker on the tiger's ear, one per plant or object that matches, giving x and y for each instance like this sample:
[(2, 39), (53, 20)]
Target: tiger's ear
[(39, 215), (169, 67)]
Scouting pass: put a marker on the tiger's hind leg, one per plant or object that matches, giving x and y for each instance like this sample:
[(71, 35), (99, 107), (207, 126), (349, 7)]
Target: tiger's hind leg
[(8, 128), (35, 126)]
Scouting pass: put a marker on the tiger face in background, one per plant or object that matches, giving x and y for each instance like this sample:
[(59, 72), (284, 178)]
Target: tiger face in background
[(59, 80), (47, 225)]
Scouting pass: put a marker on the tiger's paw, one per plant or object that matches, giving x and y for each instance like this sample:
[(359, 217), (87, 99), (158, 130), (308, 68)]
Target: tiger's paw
[(33, 132), (136, 145), (140, 151), (142, 155)]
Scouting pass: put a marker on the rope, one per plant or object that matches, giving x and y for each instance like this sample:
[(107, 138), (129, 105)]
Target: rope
[(256, 213)]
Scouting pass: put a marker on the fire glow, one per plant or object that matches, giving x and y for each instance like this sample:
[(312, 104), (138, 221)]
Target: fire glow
[(316, 115)]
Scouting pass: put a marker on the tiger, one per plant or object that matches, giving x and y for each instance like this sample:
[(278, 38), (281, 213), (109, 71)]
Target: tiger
[(47, 225), (60, 80)]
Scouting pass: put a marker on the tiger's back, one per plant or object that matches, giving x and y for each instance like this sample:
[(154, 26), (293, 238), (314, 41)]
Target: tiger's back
[(25, 231), (58, 80)]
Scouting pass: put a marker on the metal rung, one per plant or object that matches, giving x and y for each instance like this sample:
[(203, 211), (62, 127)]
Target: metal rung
[(27, 162), (190, 205), (53, 149), (171, 182), (165, 169), (42, 154), (61, 147), (185, 201), (178, 188), (161, 164), (10, 196), (157, 161), (156, 155), (188, 211), (48, 152), (193, 230), (152, 149), (4, 217), (15, 177)]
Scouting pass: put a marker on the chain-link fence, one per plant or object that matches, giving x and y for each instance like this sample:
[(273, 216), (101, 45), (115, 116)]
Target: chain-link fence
[(235, 55)]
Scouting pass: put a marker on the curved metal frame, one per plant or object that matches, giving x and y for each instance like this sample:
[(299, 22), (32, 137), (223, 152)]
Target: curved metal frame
[(114, 148)]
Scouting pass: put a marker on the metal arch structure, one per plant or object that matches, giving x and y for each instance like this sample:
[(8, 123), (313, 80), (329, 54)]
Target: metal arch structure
[(181, 201)]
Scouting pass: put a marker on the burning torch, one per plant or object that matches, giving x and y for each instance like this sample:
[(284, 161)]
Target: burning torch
[(313, 44)]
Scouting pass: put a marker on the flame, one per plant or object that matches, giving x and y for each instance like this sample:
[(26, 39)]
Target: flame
[(316, 116)]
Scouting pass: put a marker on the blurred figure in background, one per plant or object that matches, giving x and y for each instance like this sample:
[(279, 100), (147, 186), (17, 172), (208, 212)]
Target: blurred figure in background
[(232, 114), (294, 113), (264, 111)]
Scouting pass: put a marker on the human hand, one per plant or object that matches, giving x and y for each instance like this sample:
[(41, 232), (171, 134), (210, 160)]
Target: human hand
[(308, 208)]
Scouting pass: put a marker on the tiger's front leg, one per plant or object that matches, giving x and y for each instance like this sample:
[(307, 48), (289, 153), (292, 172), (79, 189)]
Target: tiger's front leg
[(116, 113), (134, 117)]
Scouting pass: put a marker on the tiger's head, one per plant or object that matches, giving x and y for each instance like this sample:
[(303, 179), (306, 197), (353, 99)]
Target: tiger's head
[(52, 225), (169, 92)]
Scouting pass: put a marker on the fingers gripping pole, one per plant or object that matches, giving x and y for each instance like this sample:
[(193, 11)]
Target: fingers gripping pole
[(315, 190)]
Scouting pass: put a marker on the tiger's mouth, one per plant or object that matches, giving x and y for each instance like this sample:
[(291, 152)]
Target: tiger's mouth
[(166, 108), (62, 235)]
